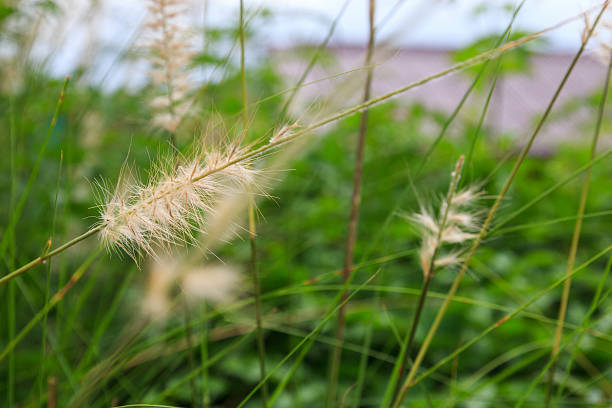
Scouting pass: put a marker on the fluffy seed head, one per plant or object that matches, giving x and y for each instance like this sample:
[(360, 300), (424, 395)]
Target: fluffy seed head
[(169, 50), (176, 202), (215, 284), (454, 226), (212, 283)]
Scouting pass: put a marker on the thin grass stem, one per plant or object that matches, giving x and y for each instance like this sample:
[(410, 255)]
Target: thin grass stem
[(342, 114), (337, 304), (508, 317), (59, 295), (467, 94), (483, 114), (16, 213), (351, 236), (365, 354), (438, 319), (407, 344), (261, 349), (576, 349), (11, 289), (576, 237), (313, 60), (43, 342)]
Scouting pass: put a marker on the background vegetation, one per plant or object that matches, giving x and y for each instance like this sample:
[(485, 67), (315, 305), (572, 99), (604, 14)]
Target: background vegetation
[(94, 348)]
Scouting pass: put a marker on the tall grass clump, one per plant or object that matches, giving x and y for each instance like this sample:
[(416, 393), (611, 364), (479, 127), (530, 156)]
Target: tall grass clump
[(311, 264), (489, 218)]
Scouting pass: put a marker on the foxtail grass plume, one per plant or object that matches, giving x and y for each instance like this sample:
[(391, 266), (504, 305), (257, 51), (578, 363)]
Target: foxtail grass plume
[(170, 52), (177, 200), (214, 283), (444, 233)]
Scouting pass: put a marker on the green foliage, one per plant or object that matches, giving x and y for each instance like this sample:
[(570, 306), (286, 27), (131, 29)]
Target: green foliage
[(101, 351)]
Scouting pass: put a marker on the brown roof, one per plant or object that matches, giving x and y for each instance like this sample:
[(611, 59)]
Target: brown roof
[(517, 100)]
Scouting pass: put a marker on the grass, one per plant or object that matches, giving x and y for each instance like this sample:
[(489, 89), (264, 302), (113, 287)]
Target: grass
[(349, 317)]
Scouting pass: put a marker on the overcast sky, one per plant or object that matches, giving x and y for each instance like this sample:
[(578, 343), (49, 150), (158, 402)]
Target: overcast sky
[(440, 23), (419, 23)]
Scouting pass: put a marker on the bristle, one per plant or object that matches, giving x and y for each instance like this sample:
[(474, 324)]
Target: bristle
[(449, 259), (142, 218), (454, 226), (170, 52), (426, 220), (601, 39), (283, 134)]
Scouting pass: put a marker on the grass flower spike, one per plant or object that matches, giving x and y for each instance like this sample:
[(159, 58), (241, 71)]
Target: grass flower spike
[(176, 202), (213, 283), (170, 52), (454, 225)]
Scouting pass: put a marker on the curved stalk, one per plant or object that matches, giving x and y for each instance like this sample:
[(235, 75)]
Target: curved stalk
[(438, 319), (347, 112), (576, 238), (351, 236)]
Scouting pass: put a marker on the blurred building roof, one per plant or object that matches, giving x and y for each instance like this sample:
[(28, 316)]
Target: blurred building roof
[(518, 99)]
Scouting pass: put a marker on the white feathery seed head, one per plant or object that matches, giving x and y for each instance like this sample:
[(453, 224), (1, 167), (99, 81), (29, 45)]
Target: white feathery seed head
[(456, 222), (180, 199), (215, 284), (176, 201), (156, 302), (169, 46)]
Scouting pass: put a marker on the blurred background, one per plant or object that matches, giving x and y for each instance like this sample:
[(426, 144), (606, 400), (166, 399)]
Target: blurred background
[(305, 60)]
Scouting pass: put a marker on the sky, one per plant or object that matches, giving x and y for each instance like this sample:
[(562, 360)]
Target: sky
[(407, 23), (423, 23)]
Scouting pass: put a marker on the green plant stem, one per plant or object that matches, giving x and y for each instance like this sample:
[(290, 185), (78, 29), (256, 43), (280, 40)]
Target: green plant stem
[(204, 352), (498, 227), (438, 319), (429, 273), (243, 88), (322, 46), (261, 348), (580, 330), (398, 372), (467, 93), (586, 322), (43, 342), (270, 146), (11, 334), (483, 114), (365, 354), (190, 354), (351, 236), (11, 289), (16, 213), (508, 317), (59, 295), (41, 259), (336, 305), (576, 237)]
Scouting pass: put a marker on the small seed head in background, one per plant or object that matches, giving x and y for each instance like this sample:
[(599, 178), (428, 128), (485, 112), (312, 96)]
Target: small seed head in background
[(443, 235)]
